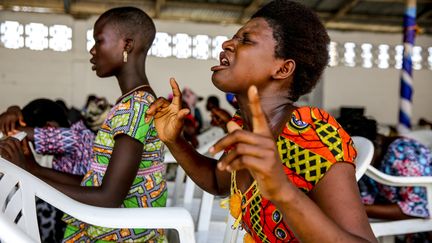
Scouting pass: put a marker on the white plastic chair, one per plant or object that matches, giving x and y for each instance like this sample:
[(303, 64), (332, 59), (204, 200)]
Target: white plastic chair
[(365, 151), (18, 220), (387, 229), (184, 193)]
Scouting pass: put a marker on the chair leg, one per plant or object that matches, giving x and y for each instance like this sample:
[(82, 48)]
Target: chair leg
[(386, 239)]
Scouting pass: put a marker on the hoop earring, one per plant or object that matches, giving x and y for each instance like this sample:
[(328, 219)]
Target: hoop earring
[(125, 54)]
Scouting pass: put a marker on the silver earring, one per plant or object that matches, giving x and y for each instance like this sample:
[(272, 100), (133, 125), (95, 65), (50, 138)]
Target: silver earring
[(125, 56)]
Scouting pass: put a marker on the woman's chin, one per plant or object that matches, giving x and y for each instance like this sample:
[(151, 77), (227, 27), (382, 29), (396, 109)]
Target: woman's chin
[(217, 82)]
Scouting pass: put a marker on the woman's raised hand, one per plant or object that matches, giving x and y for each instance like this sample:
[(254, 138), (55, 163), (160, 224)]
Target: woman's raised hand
[(168, 116), (255, 151), (10, 120)]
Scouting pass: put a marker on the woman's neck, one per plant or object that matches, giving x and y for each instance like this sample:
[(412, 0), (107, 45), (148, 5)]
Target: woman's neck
[(129, 81), (277, 109)]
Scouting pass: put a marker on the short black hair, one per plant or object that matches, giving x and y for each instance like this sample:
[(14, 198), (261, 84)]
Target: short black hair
[(300, 36), (213, 100), (40, 111), (131, 21)]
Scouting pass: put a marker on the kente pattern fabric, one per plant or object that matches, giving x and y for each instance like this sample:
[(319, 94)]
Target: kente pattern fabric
[(404, 157), (147, 190), (71, 147), (310, 143)]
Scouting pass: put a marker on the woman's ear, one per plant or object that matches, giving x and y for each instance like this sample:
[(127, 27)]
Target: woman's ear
[(285, 69), (129, 45)]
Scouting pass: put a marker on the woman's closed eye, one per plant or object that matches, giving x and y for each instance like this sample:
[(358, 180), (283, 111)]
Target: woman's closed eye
[(243, 39)]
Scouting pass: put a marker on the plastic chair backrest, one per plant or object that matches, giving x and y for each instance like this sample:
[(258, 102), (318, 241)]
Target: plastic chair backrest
[(365, 150), (423, 136), (19, 189)]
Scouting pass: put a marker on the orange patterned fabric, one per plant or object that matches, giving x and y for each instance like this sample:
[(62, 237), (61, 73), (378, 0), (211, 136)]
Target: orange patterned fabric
[(311, 142)]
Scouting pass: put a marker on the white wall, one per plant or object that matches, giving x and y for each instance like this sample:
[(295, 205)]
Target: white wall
[(376, 89), (26, 74)]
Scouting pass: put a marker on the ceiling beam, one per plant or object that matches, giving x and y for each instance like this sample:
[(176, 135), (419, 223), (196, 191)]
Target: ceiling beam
[(158, 6), (424, 15), (343, 10), (67, 6), (395, 1), (364, 27), (203, 5), (249, 10)]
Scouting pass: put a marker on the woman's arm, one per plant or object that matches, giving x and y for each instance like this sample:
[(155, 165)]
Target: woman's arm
[(168, 119), (386, 211), (55, 140), (116, 183)]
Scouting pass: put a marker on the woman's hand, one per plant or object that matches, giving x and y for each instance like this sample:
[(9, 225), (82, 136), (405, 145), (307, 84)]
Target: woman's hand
[(255, 151), (220, 118), (168, 117), (11, 120), (18, 153)]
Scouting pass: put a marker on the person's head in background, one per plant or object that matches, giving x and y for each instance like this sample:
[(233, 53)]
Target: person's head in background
[(122, 35), (73, 114), (43, 113), (212, 102), (295, 36)]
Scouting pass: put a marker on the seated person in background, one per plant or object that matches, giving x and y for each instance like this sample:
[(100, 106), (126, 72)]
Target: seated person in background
[(47, 126), (73, 114), (191, 100), (190, 128), (95, 112), (219, 116), (425, 123), (396, 156)]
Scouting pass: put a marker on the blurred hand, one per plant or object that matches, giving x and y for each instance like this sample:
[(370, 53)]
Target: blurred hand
[(168, 116), (11, 120), (17, 152), (219, 117), (255, 151)]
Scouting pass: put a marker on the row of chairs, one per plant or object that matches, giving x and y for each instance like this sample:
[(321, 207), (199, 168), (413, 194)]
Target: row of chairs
[(192, 217), (386, 230)]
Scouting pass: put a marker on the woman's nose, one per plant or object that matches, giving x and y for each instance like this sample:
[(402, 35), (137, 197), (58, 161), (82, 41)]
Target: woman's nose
[(228, 45)]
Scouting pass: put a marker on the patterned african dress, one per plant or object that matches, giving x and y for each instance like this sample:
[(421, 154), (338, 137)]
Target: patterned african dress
[(148, 188), (71, 147), (310, 143)]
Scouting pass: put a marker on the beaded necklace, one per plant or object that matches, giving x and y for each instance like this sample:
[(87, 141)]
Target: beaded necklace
[(235, 203), (131, 91)]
